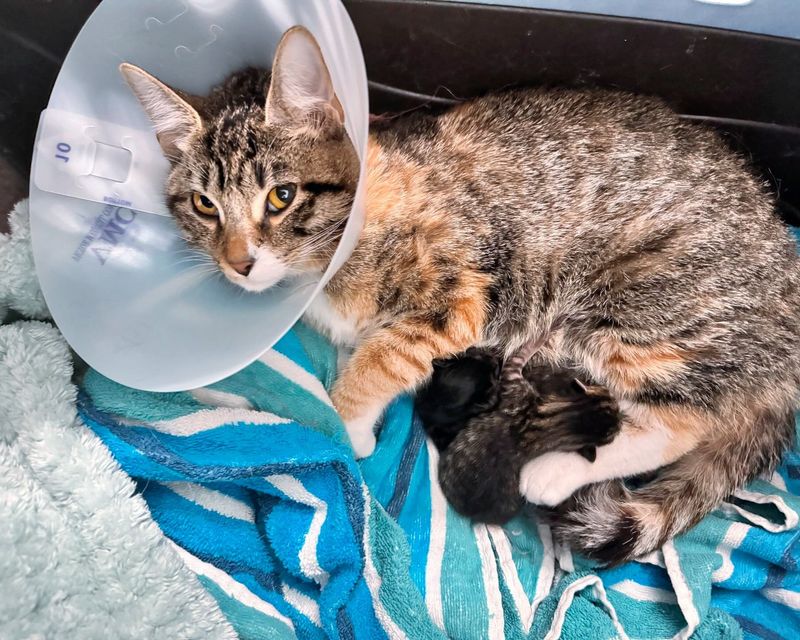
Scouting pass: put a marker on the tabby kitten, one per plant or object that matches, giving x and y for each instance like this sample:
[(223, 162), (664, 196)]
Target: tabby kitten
[(487, 422), (594, 227)]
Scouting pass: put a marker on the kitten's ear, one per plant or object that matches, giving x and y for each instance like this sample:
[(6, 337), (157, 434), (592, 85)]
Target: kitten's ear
[(301, 91), (175, 119)]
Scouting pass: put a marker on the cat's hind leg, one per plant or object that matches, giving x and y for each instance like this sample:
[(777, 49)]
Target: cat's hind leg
[(613, 523), (653, 434), (553, 477)]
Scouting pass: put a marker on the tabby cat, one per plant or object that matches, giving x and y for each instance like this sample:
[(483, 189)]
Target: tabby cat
[(589, 226)]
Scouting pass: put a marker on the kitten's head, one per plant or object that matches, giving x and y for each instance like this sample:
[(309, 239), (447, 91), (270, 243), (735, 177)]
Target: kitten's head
[(263, 173), (460, 388)]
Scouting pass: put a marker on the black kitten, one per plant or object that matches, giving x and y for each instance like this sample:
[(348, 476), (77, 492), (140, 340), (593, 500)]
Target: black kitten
[(461, 388), (487, 425)]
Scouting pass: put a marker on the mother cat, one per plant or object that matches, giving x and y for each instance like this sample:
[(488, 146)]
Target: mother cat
[(592, 227)]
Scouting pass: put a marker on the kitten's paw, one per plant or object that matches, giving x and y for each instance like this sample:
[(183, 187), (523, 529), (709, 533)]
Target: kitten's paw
[(553, 477), (361, 433)]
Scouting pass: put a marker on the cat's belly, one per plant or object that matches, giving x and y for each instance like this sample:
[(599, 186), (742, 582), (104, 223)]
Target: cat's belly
[(340, 329), (554, 351)]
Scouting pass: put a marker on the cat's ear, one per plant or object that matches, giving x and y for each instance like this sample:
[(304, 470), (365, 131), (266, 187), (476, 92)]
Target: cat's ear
[(301, 92), (174, 118)]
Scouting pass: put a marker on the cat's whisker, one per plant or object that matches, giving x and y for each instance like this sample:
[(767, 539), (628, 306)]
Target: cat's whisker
[(192, 250), (189, 260), (194, 262), (316, 243), (313, 252), (312, 255), (303, 266), (315, 240), (197, 258)]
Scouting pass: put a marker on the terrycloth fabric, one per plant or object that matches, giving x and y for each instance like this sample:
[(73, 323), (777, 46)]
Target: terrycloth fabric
[(80, 557), (19, 288), (252, 480)]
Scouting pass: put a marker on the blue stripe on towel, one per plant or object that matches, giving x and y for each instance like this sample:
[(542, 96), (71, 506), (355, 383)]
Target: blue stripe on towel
[(754, 630), (291, 347), (408, 461)]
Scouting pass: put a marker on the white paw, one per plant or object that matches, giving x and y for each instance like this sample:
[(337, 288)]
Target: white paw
[(361, 433), (553, 477)]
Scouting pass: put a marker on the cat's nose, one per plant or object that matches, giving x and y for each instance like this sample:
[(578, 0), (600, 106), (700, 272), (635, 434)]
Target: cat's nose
[(242, 267)]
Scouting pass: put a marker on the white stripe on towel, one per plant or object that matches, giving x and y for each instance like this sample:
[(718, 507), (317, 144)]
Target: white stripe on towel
[(212, 500), (231, 587), (790, 516), (212, 418), (564, 555), (776, 480), (438, 534), (733, 538), (217, 398), (568, 596), (782, 596), (294, 489), (547, 569), (491, 583), (373, 578), (682, 591), (502, 548), (655, 558), (644, 593), (291, 370), (300, 601)]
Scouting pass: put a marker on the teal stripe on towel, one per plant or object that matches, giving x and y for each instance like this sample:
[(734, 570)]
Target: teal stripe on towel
[(415, 516), (248, 623), (464, 598), (135, 404), (269, 391)]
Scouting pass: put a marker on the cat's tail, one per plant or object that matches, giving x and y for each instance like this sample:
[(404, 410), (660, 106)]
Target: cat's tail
[(612, 523)]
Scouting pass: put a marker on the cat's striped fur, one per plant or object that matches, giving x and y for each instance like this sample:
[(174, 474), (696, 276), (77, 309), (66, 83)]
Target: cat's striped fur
[(632, 243)]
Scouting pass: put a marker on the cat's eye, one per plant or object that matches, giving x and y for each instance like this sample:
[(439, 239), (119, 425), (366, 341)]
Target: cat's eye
[(280, 197), (203, 205)]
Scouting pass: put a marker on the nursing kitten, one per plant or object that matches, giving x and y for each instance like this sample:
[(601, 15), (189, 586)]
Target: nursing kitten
[(459, 389), (487, 425), (594, 227)]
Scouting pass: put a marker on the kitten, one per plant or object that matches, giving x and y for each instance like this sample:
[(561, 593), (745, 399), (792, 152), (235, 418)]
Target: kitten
[(487, 427), (594, 227), (460, 388)]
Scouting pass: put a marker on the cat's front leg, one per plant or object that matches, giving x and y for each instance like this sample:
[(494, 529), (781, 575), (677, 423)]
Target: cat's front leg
[(392, 360)]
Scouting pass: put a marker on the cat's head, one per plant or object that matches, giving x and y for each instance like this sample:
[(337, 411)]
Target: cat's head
[(263, 174)]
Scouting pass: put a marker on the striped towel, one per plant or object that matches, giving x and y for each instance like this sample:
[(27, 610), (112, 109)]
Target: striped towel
[(254, 485)]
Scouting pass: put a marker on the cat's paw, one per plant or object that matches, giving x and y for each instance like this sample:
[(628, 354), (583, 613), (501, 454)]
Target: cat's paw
[(361, 432), (551, 478)]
